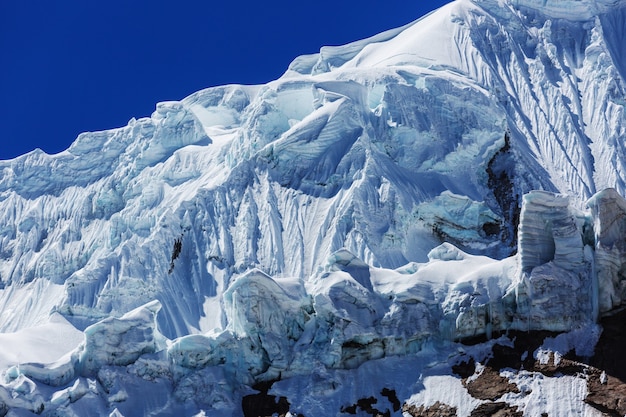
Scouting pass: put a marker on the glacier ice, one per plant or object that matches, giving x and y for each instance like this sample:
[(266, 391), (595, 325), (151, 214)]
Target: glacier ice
[(608, 210), (558, 288), (351, 212)]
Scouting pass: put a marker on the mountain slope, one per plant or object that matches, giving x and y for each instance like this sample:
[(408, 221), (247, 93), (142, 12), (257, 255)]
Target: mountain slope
[(327, 193)]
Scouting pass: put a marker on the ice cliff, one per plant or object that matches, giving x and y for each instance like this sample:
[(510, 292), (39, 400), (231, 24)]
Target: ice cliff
[(460, 176)]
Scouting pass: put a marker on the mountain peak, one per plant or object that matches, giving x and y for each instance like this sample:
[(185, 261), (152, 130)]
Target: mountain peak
[(366, 213)]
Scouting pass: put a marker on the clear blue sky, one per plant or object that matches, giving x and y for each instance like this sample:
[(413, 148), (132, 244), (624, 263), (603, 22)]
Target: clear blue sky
[(68, 66)]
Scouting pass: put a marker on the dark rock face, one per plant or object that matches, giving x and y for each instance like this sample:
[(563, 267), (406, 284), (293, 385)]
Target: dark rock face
[(606, 383), (489, 385), (263, 404), (605, 372), (367, 405), (465, 369), (497, 409), (609, 352), (606, 393), (392, 397), (373, 407), (500, 171)]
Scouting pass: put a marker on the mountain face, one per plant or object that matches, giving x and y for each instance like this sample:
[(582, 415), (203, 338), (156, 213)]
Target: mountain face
[(330, 242)]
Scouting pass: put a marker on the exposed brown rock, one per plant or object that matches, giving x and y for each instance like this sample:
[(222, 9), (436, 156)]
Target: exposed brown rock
[(497, 409), (605, 373), (436, 410), (489, 385), (606, 393), (563, 367)]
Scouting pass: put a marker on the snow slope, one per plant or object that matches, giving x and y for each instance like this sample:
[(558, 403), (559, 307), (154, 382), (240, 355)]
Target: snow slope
[(355, 209)]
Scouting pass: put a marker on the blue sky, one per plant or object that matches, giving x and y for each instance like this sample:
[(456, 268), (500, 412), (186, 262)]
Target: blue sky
[(70, 66)]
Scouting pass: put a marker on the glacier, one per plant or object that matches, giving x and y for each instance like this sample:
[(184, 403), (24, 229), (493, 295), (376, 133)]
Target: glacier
[(366, 213)]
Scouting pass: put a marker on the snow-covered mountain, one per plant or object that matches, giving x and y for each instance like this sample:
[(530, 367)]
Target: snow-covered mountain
[(335, 237)]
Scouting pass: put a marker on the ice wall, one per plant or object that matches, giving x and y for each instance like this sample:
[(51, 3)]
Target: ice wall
[(557, 289), (567, 251), (608, 210), (549, 232)]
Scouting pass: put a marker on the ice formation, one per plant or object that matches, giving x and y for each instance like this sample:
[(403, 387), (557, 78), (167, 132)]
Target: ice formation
[(458, 177), (608, 210)]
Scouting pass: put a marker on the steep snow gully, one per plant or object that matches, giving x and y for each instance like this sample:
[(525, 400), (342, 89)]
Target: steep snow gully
[(425, 222)]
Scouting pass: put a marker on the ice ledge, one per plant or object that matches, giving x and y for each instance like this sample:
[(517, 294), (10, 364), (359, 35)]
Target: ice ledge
[(563, 250)]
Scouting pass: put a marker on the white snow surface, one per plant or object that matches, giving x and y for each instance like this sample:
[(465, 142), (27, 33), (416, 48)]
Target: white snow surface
[(43, 343), (340, 219)]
